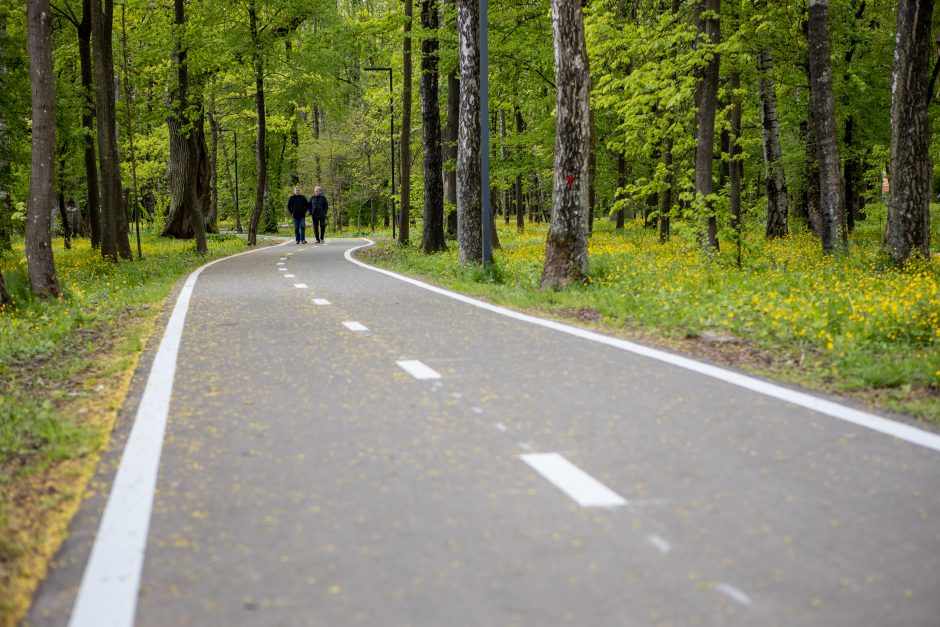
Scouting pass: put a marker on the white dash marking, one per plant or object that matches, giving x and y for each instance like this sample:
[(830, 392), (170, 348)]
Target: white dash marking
[(659, 543), (280, 263), (733, 593), (290, 276), (282, 269), (417, 369), (477, 410), (320, 302), (289, 254), (500, 426), (283, 258), (352, 325), (580, 486), (300, 286), (457, 395)]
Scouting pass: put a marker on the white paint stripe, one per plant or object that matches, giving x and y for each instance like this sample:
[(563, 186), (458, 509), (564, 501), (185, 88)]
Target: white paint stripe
[(290, 276), (580, 486), (863, 419), (320, 302), (300, 286), (660, 543), (733, 593), (108, 592), (280, 263), (500, 426), (417, 369), (282, 269), (352, 325)]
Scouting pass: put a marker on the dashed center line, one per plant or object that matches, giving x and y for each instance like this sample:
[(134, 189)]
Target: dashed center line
[(352, 325), (660, 543), (584, 489), (301, 286), (320, 302), (282, 269), (290, 276), (733, 593), (418, 369)]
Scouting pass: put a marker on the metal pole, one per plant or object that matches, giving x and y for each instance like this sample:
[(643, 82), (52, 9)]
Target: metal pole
[(485, 133)]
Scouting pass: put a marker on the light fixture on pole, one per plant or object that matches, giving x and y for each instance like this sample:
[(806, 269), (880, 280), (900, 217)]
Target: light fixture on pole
[(485, 134), (391, 136)]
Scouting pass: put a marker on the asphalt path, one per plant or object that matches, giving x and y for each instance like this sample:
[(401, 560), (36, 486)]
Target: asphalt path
[(346, 448)]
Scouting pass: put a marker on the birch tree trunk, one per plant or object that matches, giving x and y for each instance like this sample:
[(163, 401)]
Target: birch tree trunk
[(260, 152), (469, 194), (566, 256), (775, 181), (39, 261), (113, 236), (706, 101), (831, 195), (405, 206), (432, 239), (908, 227)]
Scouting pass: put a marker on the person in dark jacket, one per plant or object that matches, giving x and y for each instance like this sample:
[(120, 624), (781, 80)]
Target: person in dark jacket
[(297, 208), (318, 208)]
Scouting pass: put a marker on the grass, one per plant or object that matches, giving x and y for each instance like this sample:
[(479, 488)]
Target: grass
[(65, 365), (852, 325)]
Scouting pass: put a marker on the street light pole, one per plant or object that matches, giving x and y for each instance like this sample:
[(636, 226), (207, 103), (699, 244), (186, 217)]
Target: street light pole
[(391, 136), (485, 134)]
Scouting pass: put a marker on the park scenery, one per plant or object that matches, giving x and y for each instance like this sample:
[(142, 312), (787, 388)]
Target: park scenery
[(681, 255)]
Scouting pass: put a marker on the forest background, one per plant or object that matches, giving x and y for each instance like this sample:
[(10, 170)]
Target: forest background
[(720, 214)]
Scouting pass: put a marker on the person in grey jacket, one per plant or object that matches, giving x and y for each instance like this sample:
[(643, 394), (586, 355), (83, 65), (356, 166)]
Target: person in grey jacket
[(318, 208)]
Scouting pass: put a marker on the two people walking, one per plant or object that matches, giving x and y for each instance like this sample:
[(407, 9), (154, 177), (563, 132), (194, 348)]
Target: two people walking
[(298, 206)]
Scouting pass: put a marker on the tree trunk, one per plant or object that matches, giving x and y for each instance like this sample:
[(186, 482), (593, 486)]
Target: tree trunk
[(908, 227), (621, 185), (449, 147), (504, 155), (665, 199), (92, 200), (186, 216), (469, 194), (824, 114), (212, 224), (811, 210), (592, 177), (520, 203), (776, 183), (432, 239), (405, 205), (39, 261), (113, 214), (231, 184), (566, 254), (706, 102), (734, 165), (260, 153)]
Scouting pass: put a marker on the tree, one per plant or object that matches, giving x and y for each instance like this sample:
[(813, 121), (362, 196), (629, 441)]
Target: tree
[(186, 217), (775, 182), (908, 225), (706, 103), (566, 256), (469, 194), (405, 208), (831, 195), (257, 57), (114, 240), (432, 239), (39, 260)]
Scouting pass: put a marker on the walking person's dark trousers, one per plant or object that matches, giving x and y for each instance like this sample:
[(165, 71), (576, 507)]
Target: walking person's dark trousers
[(300, 229), (319, 227)]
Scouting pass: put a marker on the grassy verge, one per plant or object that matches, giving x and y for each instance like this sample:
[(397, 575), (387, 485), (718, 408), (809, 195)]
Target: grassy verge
[(65, 366), (851, 325)]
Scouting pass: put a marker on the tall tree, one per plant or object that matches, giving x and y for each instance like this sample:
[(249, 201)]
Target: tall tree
[(114, 240), (39, 260), (520, 202), (908, 227), (5, 200), (706, 101), (257, 57), (775, 182), (185, 219), (469, 194), (432, 239), (449, 138), (831, 195), (405, 209), (566, 255)]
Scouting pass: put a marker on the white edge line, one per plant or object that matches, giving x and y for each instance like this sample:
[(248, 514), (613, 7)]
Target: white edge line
[(110, 583), (886, 426)]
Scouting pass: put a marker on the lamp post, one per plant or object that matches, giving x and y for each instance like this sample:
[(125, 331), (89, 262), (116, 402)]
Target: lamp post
[(485, 134), (391, 133)]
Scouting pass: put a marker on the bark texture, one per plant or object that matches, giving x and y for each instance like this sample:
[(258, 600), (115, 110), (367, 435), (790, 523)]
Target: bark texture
[(469, 194), (92, 200), (566, 255), (39, 261), (908, 226), (260, 152), (775, 181), (706, 102), (405, 206), (432, 239), (831, 195)]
